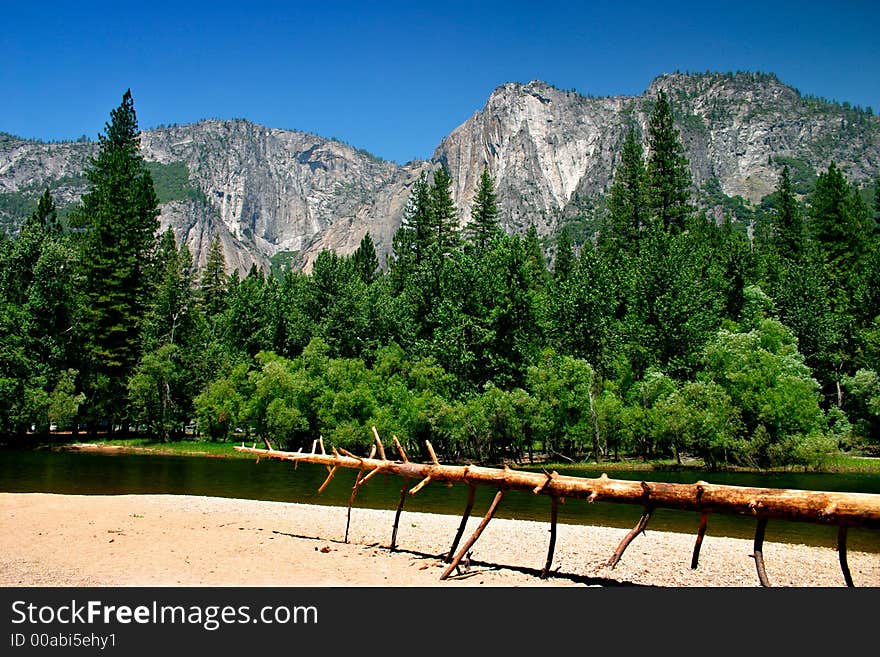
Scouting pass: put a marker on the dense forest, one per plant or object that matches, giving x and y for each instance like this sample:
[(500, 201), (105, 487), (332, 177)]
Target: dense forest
[(663, 335)]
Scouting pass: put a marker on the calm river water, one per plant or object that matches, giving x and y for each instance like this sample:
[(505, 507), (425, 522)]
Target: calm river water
[(84, 473)]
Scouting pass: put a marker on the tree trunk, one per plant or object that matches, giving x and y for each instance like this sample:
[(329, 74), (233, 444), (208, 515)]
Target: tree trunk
[(832, 508)]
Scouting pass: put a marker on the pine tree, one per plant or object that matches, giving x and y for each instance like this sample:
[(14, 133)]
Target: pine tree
[(365, 260), (46, 214), (789, 235), (838, 222), (118, 219), (484, 213), (627, 204), (669, 177), (444, 216), (213, 280), (564, 263), (411, 241)]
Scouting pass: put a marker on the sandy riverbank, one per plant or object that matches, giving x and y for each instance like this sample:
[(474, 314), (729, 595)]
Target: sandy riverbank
[(166, 540)]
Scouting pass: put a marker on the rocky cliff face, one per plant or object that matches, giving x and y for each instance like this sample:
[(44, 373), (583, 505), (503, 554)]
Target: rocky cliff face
[(265, 193), (282, 196), (549, 149)]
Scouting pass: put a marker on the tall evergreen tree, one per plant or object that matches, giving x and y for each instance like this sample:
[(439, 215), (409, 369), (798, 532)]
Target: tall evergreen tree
[(365, 260), (118, 219), (627, 204), (837, 223), (564, 263), (213, 279), (485, 222), (789, 233), (444, 216), (669, 178), (411, 241)]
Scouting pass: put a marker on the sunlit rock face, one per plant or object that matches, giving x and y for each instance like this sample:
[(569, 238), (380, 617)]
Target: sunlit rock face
[(283, 196)]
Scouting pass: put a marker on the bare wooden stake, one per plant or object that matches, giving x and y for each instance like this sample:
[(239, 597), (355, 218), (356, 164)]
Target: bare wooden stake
[(431, 452), (327, 480), (701, 532), (635, 531), (400, 450), (314, 442), (841, 554), (379, 444), (400, 503), (321, 443), (473, 539), (464, 518), (554, 507), (759, 553)]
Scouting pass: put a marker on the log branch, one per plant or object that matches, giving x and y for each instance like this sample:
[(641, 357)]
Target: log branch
[(759, 551), (701, 532), (635, 531), (379, 444), (369, 476), (327, 480), (400, 449), (841, 554), (554, 508), (464, 518), (431, 452), (400, 503), (424, 482), (473, 539)]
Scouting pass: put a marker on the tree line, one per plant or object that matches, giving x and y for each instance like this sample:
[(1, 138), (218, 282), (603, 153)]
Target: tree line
[(666, 335)]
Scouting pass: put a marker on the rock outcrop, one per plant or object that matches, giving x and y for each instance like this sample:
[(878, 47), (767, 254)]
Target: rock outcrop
[(281, 196)]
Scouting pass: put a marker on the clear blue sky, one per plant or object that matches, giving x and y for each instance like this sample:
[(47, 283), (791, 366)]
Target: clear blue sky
[(395, 77)]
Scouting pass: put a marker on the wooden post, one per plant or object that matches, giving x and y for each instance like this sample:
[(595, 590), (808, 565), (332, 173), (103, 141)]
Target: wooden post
[(554, 507), (473, 539)]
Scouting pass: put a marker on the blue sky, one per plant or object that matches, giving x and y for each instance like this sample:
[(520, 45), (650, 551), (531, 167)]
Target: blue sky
[(395, 77)]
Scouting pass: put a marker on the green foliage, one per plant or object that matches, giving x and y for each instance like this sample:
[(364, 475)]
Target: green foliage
[(485, 223), (669, 177), (117, 221), (670, 336), (155, 392), (765, 376), (803, 176), (172, 183), (628, 202), (365, 260)]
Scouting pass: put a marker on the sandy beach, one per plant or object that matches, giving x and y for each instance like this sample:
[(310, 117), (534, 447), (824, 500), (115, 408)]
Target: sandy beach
[(168, 540)]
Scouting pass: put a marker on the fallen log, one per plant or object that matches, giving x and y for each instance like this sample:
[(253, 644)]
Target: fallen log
[(822, 507)]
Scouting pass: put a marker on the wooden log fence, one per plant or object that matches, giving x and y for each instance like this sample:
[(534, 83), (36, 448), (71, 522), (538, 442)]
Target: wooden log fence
[(841, 509)]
